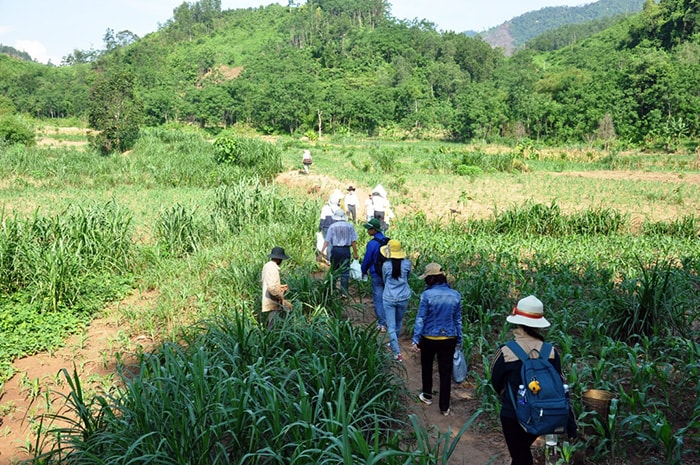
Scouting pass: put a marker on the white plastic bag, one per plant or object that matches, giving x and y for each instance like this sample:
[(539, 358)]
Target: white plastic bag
[(319, 241), (459, 366), (355, 270)]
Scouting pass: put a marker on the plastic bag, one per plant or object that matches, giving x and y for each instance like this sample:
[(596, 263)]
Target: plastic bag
[(319, 241), (459, 366), (355, 270)]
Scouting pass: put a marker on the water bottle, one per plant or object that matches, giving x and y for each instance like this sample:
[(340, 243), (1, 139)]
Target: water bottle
[(521, 395), (550, 447)]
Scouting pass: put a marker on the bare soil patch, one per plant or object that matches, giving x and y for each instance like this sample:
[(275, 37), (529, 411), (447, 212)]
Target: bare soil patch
[(38, 386)]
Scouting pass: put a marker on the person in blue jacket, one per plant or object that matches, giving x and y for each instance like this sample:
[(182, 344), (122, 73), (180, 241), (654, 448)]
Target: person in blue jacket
[(436, 333), (374, 229)]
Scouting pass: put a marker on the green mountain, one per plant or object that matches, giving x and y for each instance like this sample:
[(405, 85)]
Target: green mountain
[(514, 33), (338, 67)]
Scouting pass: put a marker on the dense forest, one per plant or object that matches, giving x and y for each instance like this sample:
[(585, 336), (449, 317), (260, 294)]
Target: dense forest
[(333, 67)]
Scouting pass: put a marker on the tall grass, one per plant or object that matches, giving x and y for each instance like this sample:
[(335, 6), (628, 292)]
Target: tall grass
[(318, 390)]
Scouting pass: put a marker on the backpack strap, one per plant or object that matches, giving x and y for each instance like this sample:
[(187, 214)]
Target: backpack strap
[(520, 352)]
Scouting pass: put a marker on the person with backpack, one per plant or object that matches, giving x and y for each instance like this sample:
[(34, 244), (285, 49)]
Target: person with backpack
[(395, 272), (522, 385), (436, 333), (372, 266)]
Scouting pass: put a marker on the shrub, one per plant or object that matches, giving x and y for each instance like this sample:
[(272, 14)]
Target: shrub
[(468, 170), (261, 158), (14, 130)]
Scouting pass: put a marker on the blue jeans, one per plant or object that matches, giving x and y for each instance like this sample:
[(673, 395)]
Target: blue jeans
[(378, 300), (394, 312)]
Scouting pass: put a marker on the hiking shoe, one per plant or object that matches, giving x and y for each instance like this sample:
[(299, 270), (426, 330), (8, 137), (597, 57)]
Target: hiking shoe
[(446, 412), (381, 328), (398, 358), (424, 399)]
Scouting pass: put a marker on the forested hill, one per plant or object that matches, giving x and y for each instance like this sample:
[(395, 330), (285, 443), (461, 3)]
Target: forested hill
[(514, 33), (336, 67)]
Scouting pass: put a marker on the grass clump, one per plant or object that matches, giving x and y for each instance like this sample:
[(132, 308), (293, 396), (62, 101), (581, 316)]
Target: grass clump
[(315, 390)]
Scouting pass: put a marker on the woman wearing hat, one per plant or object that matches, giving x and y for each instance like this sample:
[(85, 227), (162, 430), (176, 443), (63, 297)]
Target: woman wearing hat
[(437, 331), (529, 317), (395, 272)]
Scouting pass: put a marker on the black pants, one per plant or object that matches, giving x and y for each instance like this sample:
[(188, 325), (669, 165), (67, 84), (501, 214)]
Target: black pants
[(380, 217), (444, 349), (518, 441), (340, 260)]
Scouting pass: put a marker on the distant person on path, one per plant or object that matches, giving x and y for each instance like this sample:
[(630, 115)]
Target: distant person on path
[(351, 203), (506, 367), (395, 272), (306, 160), (437, 331), (327, 213), (273, 300), (369, 208), (341, 237), (378, 240), (381, 205)]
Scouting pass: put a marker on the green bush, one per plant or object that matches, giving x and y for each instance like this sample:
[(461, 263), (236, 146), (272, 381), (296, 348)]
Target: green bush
[(14, 130), (468, 170), (260, 158)]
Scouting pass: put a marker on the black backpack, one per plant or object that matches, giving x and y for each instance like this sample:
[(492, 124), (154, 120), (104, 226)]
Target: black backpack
[(380, 258)]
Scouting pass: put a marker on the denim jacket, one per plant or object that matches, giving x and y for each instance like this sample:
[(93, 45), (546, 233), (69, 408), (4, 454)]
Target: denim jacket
[(439, 313), (396, 290)]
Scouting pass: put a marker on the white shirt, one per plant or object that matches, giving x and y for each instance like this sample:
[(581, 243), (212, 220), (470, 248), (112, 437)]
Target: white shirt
[(380, 203), (351, 198)]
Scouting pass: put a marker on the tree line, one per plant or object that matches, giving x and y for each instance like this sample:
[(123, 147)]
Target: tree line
[(348, 66)]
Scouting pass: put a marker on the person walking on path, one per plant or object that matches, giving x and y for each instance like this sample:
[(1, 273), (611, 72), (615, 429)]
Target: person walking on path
[(351, 203), (341, 236), (382, 207), (369, 208), (368, 267), (273, 300), (437, 331), (528, 315), (306, 160), (395, 272), (327, 211)]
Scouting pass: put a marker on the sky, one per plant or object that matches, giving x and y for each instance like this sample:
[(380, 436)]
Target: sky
[(49, 30)]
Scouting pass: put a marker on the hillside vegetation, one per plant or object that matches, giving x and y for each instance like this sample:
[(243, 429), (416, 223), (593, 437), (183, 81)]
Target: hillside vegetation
[(347, 67), (513, 34)]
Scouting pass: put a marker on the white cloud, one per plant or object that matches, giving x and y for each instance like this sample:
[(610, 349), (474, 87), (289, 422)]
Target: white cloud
[(36, 50)]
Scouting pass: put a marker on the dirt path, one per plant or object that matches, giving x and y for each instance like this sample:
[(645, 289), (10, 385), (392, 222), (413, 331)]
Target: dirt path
[(38, 385), (92, 355), (473, 448)]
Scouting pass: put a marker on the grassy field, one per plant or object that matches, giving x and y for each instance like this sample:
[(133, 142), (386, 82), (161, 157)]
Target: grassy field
[(609, 242)]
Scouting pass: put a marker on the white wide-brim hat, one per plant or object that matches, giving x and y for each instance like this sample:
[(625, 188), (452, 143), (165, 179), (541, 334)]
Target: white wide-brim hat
[(529, 312)]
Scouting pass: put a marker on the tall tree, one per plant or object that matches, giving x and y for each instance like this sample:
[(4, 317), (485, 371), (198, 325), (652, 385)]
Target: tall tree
[(114, 112)]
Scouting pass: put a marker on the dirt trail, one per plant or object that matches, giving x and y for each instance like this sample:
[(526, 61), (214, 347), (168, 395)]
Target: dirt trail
[(92, 354), (473, 448)]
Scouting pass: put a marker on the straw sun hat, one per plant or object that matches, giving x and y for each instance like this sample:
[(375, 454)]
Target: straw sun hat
[(529, 312), (393, 250)]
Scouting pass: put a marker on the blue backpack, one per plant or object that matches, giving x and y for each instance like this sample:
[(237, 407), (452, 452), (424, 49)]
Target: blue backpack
[(542, 405)]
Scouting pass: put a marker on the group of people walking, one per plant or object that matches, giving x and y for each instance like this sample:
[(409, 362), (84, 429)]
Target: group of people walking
[(438, 327), (437, 330)]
